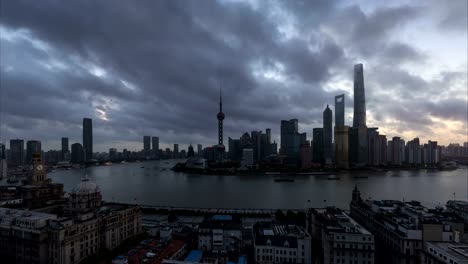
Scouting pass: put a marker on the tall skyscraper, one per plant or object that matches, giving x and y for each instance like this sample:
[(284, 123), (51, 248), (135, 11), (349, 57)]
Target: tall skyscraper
[(317, 145), (268, 135), (16, 152), (32, 146), (257, 145), (155, 146), (199, 150), (176, 151), (88, 138), (77, 153), (359, 118), (328, 135), (341, 147), (339, 110), (2, 151), (291, 139), (374, 152), (65, 148), (147, 146)]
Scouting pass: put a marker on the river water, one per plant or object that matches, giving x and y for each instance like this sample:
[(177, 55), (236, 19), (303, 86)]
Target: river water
[(156, 184)]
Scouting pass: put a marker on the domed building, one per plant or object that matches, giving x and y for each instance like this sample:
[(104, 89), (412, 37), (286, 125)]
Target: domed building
[(85, 197)]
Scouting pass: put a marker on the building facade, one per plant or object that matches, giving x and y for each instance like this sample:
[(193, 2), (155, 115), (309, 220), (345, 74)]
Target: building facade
[(88, 138), (278, 243), (16, 152), (328, 136)]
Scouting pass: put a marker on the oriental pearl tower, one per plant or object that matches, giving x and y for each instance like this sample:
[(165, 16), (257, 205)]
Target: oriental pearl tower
[(220, 117)]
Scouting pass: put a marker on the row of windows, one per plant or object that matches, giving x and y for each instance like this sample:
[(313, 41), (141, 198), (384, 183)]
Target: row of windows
[(441, 256), (363, 238), (351, 261), (353, 246), (342, 253)]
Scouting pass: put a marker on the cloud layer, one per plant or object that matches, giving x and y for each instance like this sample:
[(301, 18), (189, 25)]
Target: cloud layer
[(155, 68)]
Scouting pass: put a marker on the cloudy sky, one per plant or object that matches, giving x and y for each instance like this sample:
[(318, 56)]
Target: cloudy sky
[(154, 67)]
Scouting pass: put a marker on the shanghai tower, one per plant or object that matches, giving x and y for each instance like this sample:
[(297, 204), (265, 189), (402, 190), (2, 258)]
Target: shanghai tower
[(359, 117)]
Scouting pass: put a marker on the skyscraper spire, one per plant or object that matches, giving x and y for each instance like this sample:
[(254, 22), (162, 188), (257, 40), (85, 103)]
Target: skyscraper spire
[(220, 99), (220, 117)]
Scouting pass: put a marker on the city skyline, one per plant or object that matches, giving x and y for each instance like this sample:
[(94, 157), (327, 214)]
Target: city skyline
[(292, 72)]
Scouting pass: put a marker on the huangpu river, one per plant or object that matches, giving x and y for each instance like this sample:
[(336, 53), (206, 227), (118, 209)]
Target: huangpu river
[(154, 183)]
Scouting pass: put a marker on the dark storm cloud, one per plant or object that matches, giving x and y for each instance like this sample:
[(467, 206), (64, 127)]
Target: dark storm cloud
[(155, 67)]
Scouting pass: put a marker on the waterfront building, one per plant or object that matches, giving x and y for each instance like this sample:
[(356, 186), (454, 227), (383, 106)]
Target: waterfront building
[(396, 151), (199, 150), (341, 238), (256, 139), (383, 149), (339, 110), (358, 149), (341, 147), (460, 208), (3, 168), (444, 253), (373, 145), (328, 136), (155, 147), (113, 155), (305, 155), (147, 146), (77, 153), (433, 155), (280, 243), (175, 153), (16, 152), (65, 149), (235, 149), (291, 139), (88, 138), (317, 147), (247, 158), (401, 228), (413, 152)]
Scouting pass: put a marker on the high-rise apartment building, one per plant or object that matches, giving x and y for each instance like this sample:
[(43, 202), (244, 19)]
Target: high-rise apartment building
[(16, 152), (32, 146), (88, 138), (199, 150), (77, 153), (175, 153), (155, 146), (65, 148), (328, 136), (147, 146)]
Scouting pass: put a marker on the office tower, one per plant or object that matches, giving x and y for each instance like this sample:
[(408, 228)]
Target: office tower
[(246, 141), (147, 146), (256, 139), (339, 110), (291, 139), (327, 135), (247, 158), (341, 147), (268, 135), (235, 149), (16, 152), (2, 151), (77, 153), (176, 151), (383, 149), (155, 146), (199, 150), (359, 118), (358, 145), (32, 146), (88, 138), (373, 147), (317, 145), (112, 154), (65, 148), (305, 155)]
